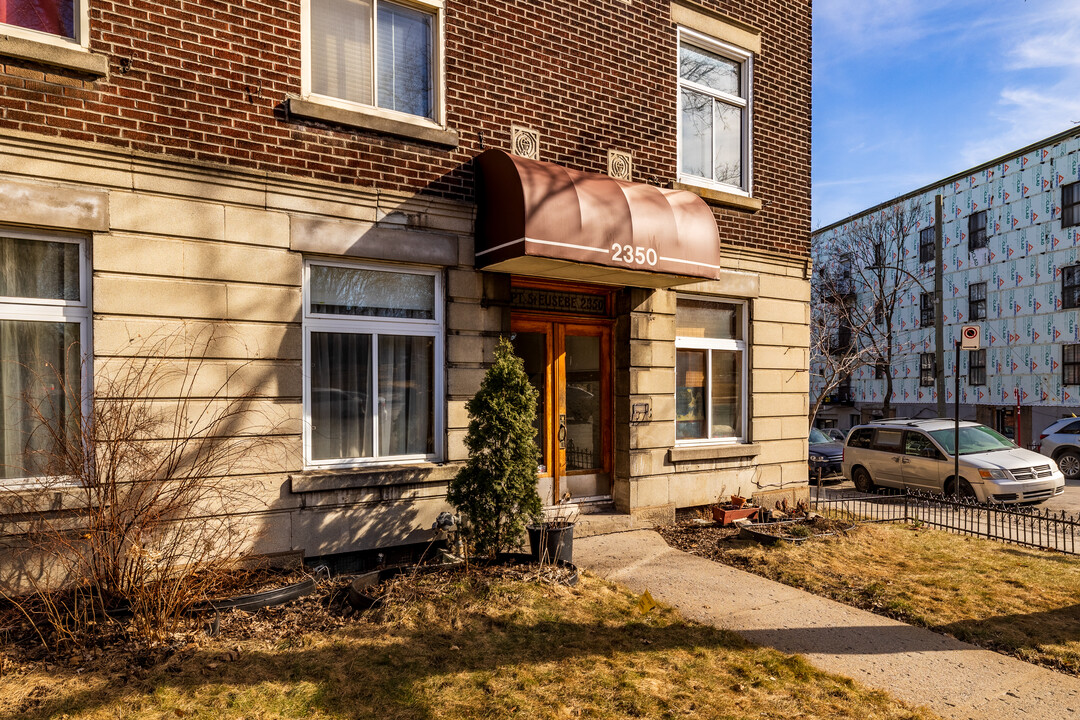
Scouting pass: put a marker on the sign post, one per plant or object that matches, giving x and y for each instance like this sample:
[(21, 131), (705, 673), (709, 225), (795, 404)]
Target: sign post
[(970, 339)]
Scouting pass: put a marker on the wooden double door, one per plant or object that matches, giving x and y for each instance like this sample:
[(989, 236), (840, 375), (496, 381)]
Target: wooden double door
[(569, 363)]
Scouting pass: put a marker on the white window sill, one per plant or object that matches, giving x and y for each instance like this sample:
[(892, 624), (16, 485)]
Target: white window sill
[(322, 480), (722, 198), (55, 55), (414, 129), (715, 451)]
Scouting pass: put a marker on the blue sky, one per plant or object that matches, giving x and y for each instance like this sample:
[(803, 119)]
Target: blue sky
[(907, 92)]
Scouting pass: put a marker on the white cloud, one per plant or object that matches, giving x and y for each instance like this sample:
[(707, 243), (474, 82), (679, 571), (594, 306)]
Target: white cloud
[(879, 27), (1055, 48), (1025, 115), (989, 81)]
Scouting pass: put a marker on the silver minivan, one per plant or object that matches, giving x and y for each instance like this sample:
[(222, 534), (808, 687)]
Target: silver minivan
[(918, 455)]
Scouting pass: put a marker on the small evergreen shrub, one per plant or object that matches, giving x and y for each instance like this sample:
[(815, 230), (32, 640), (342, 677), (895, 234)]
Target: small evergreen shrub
[(495, 491)]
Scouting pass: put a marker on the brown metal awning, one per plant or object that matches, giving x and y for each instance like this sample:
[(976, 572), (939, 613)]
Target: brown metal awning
[(541, 219)]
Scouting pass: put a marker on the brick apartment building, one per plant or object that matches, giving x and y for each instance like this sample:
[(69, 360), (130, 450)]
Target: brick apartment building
[(356, 198)]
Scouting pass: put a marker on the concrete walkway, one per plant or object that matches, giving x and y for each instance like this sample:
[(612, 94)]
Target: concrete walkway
[(955, 679)]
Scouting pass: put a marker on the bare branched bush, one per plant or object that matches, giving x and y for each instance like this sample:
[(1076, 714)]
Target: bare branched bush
[(133, 509)]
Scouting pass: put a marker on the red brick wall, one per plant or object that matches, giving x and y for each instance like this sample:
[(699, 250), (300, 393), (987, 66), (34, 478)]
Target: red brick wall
[(206, 80)]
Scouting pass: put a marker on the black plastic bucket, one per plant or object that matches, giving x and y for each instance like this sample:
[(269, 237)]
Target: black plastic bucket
[(549, 544)]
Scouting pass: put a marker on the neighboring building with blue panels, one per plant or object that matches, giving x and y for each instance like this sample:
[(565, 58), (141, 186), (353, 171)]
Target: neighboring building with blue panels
[(1011, 264)]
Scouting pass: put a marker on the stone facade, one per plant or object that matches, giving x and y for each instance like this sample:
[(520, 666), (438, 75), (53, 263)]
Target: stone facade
[(200, 193)]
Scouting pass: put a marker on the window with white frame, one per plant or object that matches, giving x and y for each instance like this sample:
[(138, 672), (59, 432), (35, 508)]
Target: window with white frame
[(53, 21), (375, 53), (710, 369), (715, 79), (373, 358), (44, 326)]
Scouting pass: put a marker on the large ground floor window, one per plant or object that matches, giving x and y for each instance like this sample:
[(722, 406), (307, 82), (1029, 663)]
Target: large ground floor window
[(44, 322), (710, 370), (373, 341)]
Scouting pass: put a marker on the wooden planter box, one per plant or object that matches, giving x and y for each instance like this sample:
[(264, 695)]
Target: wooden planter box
[(726, 516)]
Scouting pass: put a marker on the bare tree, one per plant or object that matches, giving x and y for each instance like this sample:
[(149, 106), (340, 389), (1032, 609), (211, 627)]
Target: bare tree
[(835, 328), (873, 252)]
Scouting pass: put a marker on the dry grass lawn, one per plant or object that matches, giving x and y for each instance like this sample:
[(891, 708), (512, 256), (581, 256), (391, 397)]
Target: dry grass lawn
[(1016, 600), (484, 647)]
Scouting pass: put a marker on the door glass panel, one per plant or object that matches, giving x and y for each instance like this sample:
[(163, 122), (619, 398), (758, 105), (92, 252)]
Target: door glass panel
[(531, 347), (583, 416)]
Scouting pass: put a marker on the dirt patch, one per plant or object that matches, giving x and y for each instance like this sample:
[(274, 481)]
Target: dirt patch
[(804, 529)]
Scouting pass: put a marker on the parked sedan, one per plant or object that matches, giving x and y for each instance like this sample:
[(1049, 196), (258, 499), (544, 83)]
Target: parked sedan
[(826, 456), (1061, 441)]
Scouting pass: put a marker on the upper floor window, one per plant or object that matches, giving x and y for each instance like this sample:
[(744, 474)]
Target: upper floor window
[(56, 21), (926, 310), (1070, 286), (977, 301), (710, 369), (373, 359), (879, 254), (927, 245), (977, 230), (927, 369), (1070, 204), (714, 112), (375, 53), (44, 324), (977, 367), (1070, 364)]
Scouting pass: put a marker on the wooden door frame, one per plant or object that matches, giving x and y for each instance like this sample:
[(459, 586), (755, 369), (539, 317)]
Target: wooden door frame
[(554, 327)]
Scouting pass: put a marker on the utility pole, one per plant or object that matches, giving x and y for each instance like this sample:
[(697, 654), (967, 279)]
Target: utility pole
[(939, 307)]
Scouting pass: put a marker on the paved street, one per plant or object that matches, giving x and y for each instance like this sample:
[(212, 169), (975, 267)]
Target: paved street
[(1069, 502)]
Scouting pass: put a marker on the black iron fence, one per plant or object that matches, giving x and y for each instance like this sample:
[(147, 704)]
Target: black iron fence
[(1018, 524)]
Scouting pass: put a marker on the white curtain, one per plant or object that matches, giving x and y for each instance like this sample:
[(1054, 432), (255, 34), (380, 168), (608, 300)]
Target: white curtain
[(406, 411), (341, 422), (38, 359), (341, 49)]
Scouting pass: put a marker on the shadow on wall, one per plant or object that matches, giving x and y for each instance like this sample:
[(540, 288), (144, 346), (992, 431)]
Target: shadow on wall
[(183, 459)]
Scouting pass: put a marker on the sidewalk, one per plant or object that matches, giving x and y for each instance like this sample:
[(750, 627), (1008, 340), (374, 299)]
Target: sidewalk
[(955, 679)]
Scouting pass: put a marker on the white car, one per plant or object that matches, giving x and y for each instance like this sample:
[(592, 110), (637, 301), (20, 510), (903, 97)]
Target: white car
[(918, 455), (1061, 441)]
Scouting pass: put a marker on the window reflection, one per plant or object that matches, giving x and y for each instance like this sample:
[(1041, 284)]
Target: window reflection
[(55, 17)]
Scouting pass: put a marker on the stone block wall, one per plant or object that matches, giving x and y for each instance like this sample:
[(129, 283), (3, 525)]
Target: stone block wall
[(654, 475), (207, 277)]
